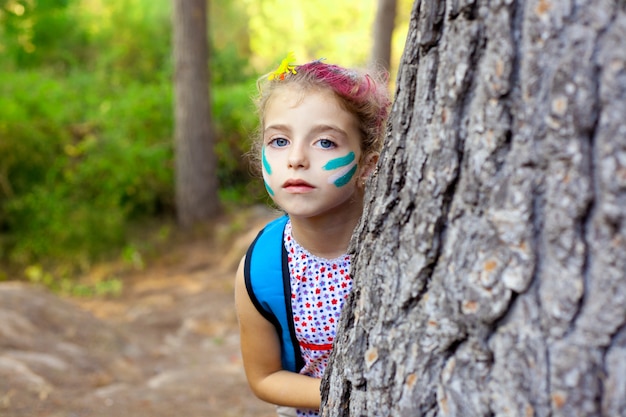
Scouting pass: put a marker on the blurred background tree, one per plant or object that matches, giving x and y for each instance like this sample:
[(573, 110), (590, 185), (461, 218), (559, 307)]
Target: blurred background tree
[(194, 137), (384, 25), (86, 128)]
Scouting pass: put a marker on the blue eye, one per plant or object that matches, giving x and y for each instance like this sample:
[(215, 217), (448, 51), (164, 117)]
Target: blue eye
[(279, 142), (326, 143)]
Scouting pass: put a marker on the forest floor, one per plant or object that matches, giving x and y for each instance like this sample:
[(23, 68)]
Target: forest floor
[(168, 345)]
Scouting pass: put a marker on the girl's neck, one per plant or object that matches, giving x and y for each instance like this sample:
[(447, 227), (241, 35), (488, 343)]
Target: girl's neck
[(325, 236)]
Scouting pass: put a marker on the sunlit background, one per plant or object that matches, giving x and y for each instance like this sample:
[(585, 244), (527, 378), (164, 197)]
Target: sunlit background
[(86, 124)]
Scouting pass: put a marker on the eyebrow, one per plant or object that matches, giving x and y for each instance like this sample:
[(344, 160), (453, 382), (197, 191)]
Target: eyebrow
[(316, 130), (277, 127)]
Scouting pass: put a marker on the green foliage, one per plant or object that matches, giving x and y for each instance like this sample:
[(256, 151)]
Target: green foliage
[(133, 41), (76, 171), (233, 108), (31, 32), (86, 127), (230, 43), (236, 122)]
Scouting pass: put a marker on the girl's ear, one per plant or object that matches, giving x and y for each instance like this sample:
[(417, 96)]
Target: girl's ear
[(368, 167)]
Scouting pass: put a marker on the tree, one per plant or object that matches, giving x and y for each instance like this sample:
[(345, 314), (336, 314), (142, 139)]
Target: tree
[(384, 23), (196, 178), (490, 266)]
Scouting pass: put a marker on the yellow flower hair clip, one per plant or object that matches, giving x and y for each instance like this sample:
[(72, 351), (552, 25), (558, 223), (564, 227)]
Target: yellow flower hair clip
[(286, 66)]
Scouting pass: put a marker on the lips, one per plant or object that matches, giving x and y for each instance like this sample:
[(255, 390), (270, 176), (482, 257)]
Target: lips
[(297, 186)]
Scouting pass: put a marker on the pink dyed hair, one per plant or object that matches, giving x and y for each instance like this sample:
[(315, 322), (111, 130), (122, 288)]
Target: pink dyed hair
[(364, 94)]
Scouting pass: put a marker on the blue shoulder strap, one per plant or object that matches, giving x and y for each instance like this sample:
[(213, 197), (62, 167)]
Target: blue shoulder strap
[(266, 273)]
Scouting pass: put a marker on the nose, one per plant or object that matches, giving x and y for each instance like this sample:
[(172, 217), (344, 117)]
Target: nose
[(298, 157)]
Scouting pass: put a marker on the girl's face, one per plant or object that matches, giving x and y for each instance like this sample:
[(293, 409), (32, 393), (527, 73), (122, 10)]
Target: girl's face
[(311, 153)]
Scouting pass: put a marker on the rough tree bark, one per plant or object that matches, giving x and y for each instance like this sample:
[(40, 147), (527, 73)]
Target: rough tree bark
[(196, 176), (384, 24), (491, 262)]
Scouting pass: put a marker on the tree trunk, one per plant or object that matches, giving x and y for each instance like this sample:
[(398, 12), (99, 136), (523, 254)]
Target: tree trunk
[(196, 177), (384, 24), (490, 265)]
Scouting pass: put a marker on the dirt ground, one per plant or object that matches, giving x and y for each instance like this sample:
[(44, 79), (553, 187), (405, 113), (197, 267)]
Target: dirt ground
[(167, 346)]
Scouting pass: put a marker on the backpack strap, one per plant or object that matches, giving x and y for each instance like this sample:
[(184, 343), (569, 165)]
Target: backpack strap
[(266, 272)]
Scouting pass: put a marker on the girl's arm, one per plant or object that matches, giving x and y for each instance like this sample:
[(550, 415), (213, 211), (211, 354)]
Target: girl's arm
[(260, 349)]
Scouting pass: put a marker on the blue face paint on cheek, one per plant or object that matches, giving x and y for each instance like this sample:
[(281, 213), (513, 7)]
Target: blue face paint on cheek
[(266, 164), (339, 162), (268, 170), (345, 178), (346, 166)]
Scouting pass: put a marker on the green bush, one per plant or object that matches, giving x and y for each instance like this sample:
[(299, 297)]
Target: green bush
[(77, 168), (235, 121), (42, 33), (81, 160)]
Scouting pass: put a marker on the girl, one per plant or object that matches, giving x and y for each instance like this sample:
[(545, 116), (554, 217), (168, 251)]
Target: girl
[(321, 132)]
